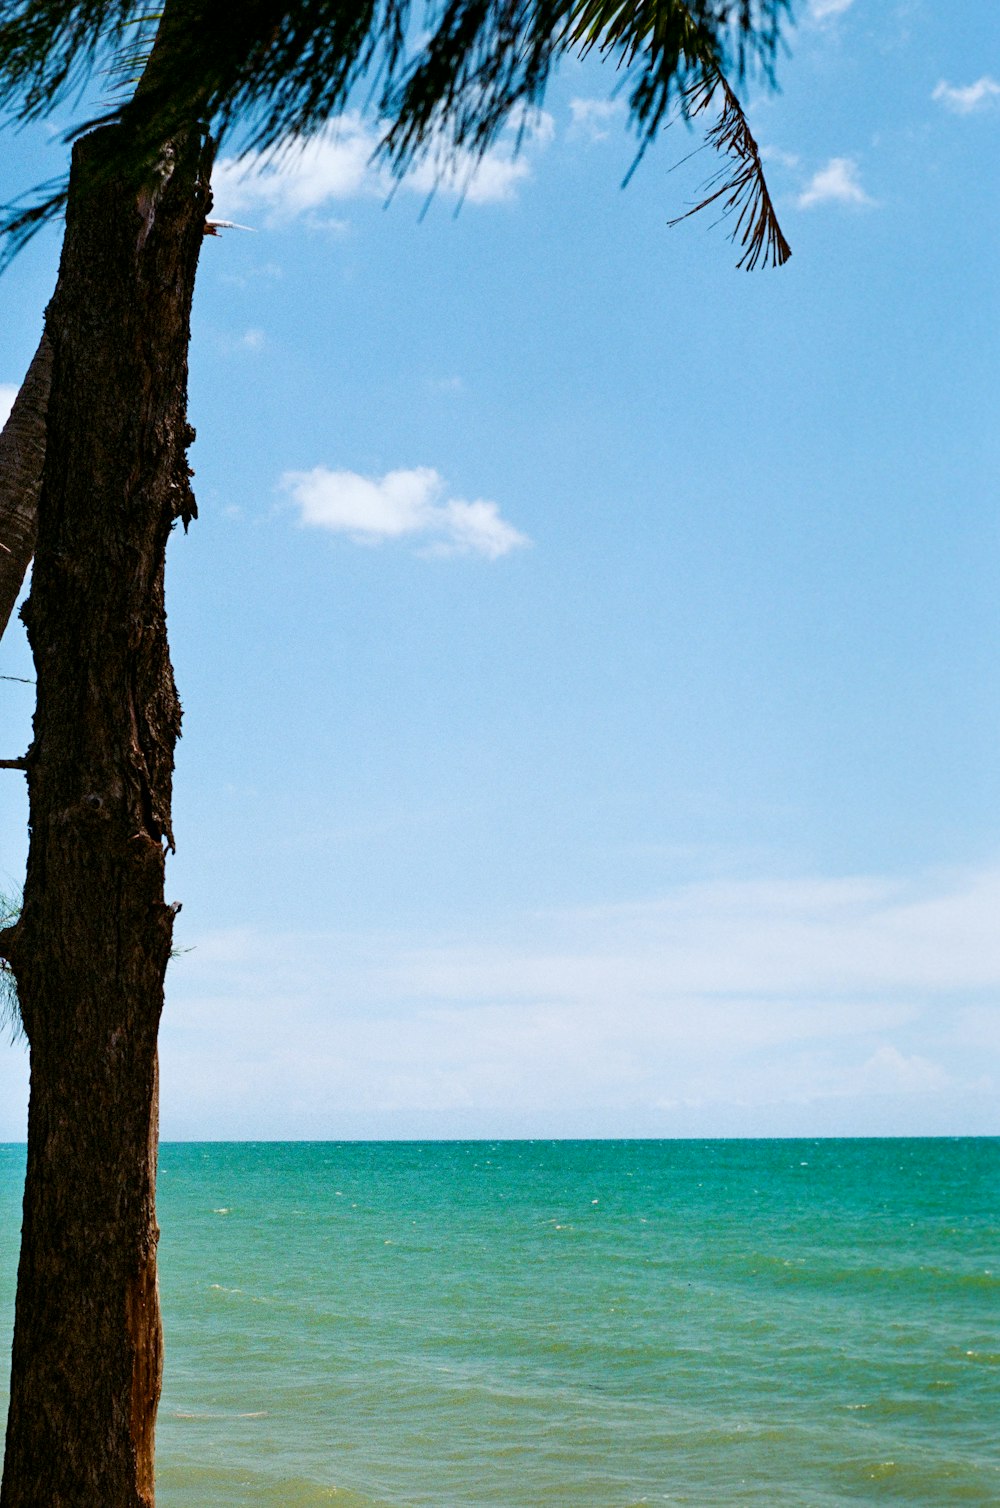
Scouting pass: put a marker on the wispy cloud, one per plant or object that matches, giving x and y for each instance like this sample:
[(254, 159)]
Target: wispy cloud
[(445, 385), (837, 183), (855, 1004), (593, 118), (7, 396), (825, 10), (249, 342), (967, 99), (337, 165), (269, 272), (406, 503), (778, 155)]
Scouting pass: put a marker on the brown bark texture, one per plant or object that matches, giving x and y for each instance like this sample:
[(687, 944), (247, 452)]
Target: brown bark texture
[(22, 453), (92, 944)]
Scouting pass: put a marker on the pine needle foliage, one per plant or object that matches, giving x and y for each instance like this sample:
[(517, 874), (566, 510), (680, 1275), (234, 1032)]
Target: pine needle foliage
[(444, 75), (10, 1010)]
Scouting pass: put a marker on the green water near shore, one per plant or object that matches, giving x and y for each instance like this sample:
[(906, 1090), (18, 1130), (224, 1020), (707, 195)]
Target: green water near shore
[(586, 1323)]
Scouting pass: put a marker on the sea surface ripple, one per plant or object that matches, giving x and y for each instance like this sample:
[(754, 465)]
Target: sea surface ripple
[(537, 1324)]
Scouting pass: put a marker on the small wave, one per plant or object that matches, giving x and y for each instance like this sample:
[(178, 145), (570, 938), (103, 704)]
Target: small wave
[(191, 1414)]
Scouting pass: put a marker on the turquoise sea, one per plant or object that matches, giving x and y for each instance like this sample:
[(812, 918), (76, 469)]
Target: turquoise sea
[(585, 1323)]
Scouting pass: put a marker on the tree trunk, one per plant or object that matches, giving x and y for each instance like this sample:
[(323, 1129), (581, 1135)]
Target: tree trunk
[(92, 944), (22, 440), (22, 453)]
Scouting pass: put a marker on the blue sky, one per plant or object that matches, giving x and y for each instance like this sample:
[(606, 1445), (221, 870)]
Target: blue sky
[(591, 653)]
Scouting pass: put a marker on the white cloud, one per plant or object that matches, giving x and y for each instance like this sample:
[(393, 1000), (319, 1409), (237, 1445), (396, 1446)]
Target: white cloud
[(823, 10), (302, 178), (253, 340), (968, 98), (7, 396), (494, 179), (593, 118), (837, 183), (337, 165), (409, 503), (854, 1005)]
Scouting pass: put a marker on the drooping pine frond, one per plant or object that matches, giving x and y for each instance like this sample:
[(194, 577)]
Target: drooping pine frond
[(685, 57), (488, 60), (739, 187), (673, 49), (447, 75)]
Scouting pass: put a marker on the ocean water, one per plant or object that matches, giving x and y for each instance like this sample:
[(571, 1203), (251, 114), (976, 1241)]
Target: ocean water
[(538, 1324)]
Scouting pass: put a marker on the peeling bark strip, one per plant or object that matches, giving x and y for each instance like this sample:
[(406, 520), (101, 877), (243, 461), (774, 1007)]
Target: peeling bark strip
[(142, 1316), (22, 454), (91, 947)]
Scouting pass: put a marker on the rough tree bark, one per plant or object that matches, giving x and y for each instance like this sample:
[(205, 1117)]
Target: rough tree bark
[(22, 453), (91, 947), (22, 440)]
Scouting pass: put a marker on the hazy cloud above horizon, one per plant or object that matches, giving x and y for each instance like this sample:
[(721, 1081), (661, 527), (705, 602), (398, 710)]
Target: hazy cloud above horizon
[(7, 396), (834, 1000), (404, 503)]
